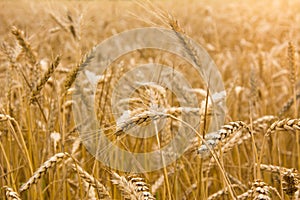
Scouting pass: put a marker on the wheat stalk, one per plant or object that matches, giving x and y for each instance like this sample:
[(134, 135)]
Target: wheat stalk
[(220, 193), (14, 125), (157, 184), (236, 181)]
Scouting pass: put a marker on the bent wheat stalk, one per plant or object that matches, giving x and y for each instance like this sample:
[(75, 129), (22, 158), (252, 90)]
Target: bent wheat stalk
[(13, 124), (280, 125)]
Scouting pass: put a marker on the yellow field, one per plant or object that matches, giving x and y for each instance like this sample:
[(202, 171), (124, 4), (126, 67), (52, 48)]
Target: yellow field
[(45, 45)]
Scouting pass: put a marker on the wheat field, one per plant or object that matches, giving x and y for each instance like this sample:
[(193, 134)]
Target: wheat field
[(255, 154)]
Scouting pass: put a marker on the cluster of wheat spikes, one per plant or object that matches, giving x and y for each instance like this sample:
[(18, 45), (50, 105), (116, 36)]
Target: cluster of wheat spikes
[(254, 155)]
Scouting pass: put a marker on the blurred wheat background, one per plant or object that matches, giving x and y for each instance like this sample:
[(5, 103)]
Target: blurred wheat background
[(255, 45)]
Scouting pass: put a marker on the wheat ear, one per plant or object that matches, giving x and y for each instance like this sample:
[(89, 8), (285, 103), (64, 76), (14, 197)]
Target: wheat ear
[(149, 115), (24, 44), (258, 125), (258, 191), (133, 188), (290, 182), (284, 125), (92, 181), (292, 63), (126, 187), (11, 194), (221, 135), (141, 187), (50, 163), (290, 177), (44, 79), (74, 72), (288, 105)]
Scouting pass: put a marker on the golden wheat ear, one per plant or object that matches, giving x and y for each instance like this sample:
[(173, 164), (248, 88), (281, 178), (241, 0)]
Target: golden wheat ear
[(42, 81), (221, 136), (290, 178), (42, 170), (259, 190), (133, 187), (92, 181), (126, 187), (11, 194), (24, 44), (284, 125)]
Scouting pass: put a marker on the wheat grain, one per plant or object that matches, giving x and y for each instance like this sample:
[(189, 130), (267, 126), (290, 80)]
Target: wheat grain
[(147, 116)]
